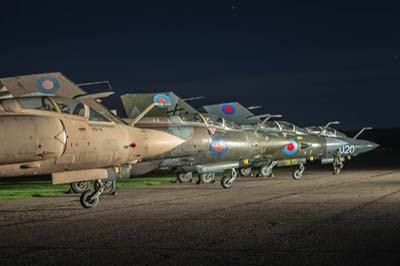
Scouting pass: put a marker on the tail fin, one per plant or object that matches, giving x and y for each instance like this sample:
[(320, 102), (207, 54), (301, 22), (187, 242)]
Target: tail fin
[(39, 84), (233, 112), (134, 104)]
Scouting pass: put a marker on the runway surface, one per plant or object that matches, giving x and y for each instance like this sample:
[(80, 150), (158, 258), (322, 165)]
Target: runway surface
[(351, 219)]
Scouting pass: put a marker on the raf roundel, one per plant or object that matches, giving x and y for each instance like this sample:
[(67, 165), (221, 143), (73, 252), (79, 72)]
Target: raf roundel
[(163, 100), (291, 148), (228, 109), (218, 146), (47, 85)]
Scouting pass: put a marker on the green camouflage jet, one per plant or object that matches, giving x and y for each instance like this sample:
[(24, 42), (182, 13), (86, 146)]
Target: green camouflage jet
[(214, 144), (338, 145)]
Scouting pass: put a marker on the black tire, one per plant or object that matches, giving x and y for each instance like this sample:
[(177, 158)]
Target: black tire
[(225, 182), (184, 177), (207, 178), (85, 202), (80, 187), (109, 187), (245, 171), (297, 174)]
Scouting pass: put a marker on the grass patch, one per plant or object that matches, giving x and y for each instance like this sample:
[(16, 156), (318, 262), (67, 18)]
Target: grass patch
[(41, 187), (27, 187)]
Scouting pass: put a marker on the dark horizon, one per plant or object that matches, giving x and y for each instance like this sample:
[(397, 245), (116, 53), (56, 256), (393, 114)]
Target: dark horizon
[(312, 62)]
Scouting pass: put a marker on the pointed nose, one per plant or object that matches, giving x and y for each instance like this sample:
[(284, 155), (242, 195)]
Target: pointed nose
[(159, 142), (334, 144), (367, 146)]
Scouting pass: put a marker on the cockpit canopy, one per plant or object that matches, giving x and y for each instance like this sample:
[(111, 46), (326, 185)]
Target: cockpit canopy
[(65, 106), (210, 120), (284, 126), (328, 132)]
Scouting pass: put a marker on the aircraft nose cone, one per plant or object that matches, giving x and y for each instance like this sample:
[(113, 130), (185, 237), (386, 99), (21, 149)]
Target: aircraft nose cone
[(159, 142), (334, 144), (368, 146)]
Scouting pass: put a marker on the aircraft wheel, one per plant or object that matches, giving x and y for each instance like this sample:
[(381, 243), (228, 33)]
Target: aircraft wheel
[(245, 171), (80, 187), (226, 182), (297, 174), (265, 171), (109, 187), (86, 202), (207, 178), (184, 177)]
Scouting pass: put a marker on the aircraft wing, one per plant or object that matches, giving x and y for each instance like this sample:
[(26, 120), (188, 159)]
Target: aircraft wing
[(232, 112), (134, 104)]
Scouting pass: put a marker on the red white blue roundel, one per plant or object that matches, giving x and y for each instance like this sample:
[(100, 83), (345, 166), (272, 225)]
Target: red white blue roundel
[(47, 85), (162, 99), (218, 146), (291, 148), (228, 109)]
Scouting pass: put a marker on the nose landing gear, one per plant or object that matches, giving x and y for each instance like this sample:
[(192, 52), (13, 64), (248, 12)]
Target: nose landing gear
[(337, 163), (90, 200), (227, 181), (298, 173)]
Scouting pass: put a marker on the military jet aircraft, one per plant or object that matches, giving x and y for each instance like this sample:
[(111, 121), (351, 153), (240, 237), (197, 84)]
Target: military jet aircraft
[(336, 143), (214, 144), (353, 147), (72, 139)]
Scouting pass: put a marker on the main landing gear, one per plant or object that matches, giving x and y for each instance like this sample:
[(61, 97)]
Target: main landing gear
[(109, 187), (266, 170), (80, 187), (206, 178), (298, 173), (227, 181), (184, 177), (337, 163), (90, 199), (247, 171)]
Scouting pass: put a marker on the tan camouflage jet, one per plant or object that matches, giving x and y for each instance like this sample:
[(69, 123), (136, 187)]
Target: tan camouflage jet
[(72, 139)]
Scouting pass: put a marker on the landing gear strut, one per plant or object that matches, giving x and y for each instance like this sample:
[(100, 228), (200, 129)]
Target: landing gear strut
[(89, 199), (109, 187), (184, 177), (266, 170), (298, 173), (206, 178), (227, 181), (245, 171), (337, 164)]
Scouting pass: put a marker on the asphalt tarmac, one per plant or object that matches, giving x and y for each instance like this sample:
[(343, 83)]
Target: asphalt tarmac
[(351, 219)]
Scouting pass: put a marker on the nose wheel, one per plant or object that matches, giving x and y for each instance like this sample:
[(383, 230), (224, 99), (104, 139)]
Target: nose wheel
[(91, 199), (298, 173), (227, 181), (337, 164)]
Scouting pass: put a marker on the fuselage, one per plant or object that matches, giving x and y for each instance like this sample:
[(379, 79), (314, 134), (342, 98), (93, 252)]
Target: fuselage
[(209, 142), (43, 135)]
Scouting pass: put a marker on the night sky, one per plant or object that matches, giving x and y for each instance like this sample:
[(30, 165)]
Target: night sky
[(312, 62)]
